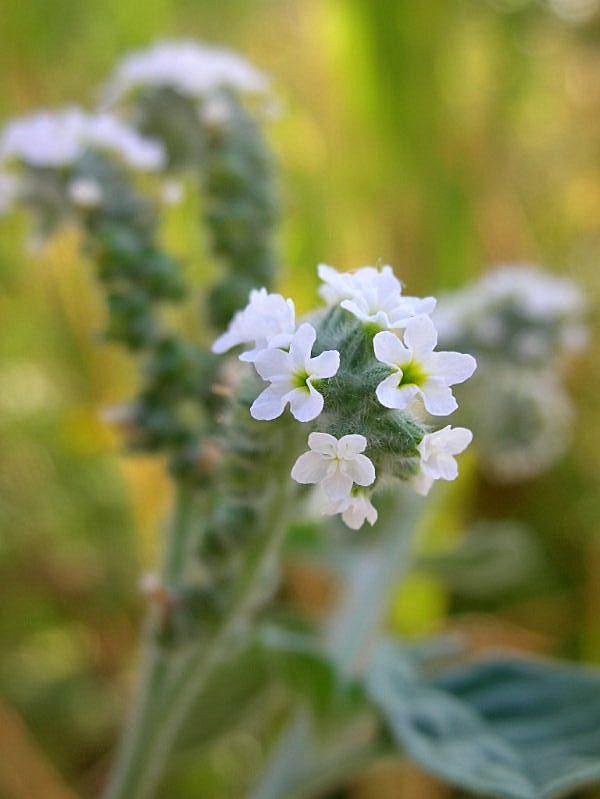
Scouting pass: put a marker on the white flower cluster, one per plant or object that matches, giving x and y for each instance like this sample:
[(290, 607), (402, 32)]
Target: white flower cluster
[(404, 340), (281, 355), (519, 303), (57, 139), (187, 67)]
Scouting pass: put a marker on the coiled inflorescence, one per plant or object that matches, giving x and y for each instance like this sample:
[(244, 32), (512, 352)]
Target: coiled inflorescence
[(359, 372), (524, 325), (195, 100)]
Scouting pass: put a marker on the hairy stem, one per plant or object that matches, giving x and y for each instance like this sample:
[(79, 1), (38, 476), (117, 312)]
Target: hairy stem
[(155, 660), (171, 688)]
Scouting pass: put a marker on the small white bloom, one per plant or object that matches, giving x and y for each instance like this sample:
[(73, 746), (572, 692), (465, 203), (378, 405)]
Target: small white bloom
[(292, 375), (55, 139), (355, 509), (191, 69), (419, 371), (267, 321), (437, 452), (373, 295), (336, 465), (85, 192)]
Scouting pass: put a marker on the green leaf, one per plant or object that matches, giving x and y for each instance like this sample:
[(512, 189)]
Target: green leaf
[(512, 728)]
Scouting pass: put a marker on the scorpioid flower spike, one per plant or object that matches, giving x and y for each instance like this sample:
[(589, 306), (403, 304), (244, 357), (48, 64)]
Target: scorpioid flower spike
[(267, 321), (374, 296), (336, 465), (419, 371), (292, 375), (437, 452)]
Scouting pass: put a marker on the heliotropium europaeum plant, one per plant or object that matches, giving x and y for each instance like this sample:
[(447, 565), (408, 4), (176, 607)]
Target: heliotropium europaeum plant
[(344, 411)]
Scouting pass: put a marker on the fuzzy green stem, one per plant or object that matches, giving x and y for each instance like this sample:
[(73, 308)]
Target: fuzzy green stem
[(155, 661), (141, 767)]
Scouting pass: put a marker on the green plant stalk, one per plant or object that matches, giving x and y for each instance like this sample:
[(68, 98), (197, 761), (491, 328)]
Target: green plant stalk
[(353, 627), (171, 687), (156, 657)]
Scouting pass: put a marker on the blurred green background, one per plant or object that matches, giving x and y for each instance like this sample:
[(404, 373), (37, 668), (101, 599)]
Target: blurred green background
[(441, 136)]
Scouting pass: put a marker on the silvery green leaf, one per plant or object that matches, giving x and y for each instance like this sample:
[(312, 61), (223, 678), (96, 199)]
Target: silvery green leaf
[(511, 729)]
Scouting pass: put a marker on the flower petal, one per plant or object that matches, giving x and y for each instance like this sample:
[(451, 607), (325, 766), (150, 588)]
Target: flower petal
[(390, 350), (452, 367), (390, 395), (360, 469), (459, 439), (270, 404), (354, 308), (324, 443), (305, 405), (447, 467), (337, 486), (272, 364), (420, 336), (225, 342), (310, 467), (422, 483), (438, 397), (324, 365), (351, 445), (301, 345)]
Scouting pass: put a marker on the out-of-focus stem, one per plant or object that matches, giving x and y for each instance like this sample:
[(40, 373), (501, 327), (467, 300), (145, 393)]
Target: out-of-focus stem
[(171, 688), (155, 662)]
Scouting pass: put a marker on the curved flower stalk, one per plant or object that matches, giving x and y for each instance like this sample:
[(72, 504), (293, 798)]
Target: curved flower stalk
[(191, 97), (524, 326)]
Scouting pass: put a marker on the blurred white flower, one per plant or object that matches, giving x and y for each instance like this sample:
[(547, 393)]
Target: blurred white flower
[(355, 509), (267, 321), (56, 139), (373, 295), (292, 375), (191, 69), (419, 371), (335, 464), (85, 192), (437, 451)]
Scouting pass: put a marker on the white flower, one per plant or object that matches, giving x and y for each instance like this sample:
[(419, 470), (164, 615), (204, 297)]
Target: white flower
[(292, 375), (267, 321), (355, 510), (85, 192), (418, 370), (336, 465), (192, 69), (58, 139), (437, 452), (373, 295)]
